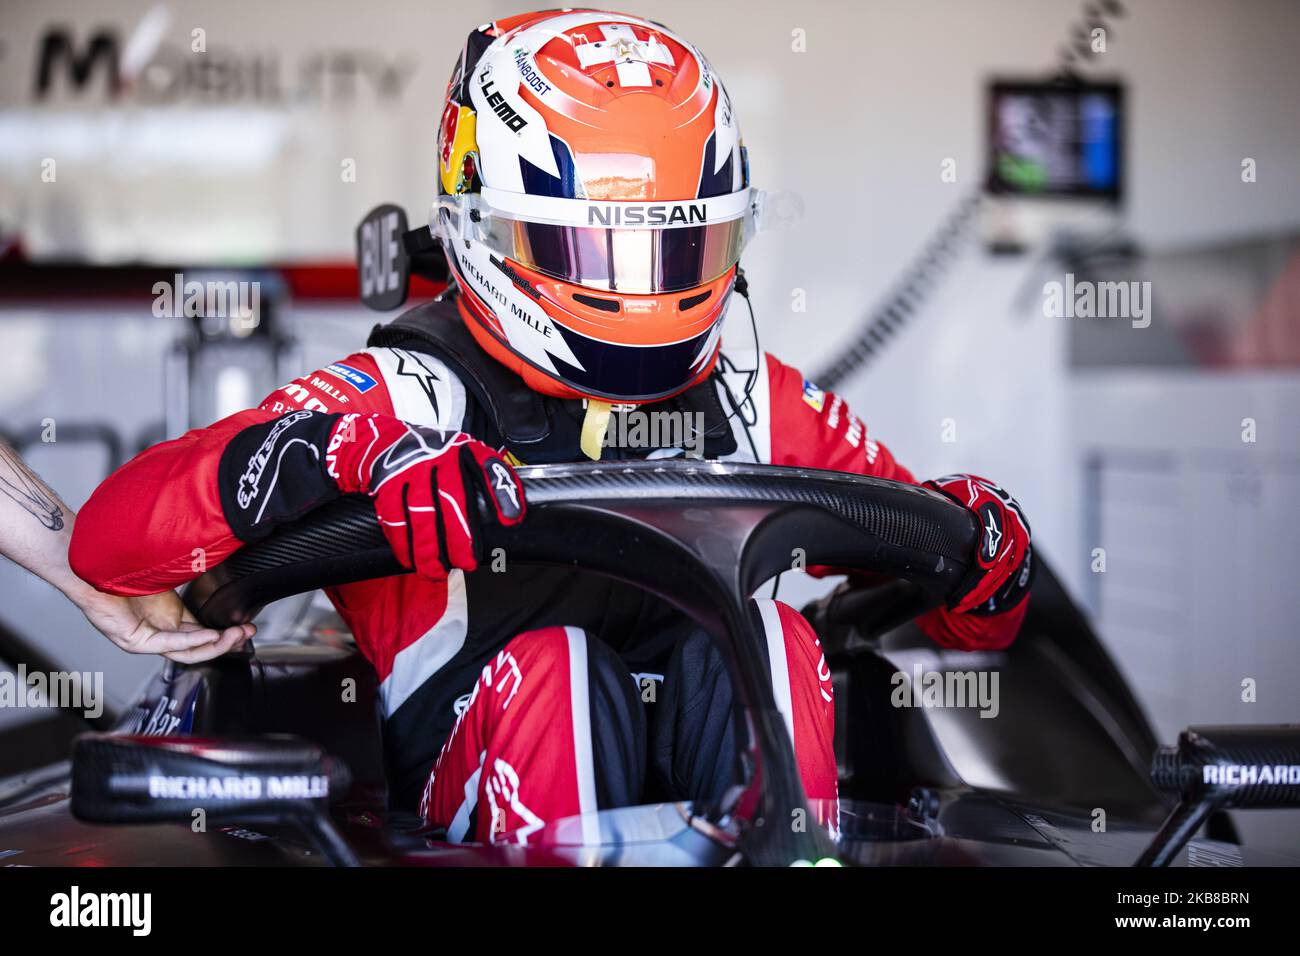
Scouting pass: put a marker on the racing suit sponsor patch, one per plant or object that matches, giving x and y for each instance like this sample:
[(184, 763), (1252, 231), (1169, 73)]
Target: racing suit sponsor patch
[(814, 396), (354, 377)]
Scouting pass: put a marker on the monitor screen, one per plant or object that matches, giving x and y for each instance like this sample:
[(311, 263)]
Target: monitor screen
[(1052, 139)]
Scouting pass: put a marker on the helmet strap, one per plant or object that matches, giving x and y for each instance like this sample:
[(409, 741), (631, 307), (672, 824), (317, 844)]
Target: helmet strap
[(595, 425)]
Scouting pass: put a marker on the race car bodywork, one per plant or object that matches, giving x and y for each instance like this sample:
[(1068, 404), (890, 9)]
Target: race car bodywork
[(921, 782)]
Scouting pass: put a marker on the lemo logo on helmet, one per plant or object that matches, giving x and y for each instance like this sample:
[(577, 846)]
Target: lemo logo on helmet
[(513, 120)]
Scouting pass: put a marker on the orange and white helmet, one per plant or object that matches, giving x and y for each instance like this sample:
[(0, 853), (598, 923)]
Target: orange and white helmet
[(594, 200)]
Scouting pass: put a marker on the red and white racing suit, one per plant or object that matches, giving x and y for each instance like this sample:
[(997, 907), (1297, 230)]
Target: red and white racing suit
[(494, 732)]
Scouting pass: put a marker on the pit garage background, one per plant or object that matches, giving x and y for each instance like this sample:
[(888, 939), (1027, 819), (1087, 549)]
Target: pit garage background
[(1169, 455)]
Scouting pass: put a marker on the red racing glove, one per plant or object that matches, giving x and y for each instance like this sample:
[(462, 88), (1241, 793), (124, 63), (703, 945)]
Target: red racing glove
[(1003, 569), (417, 478)]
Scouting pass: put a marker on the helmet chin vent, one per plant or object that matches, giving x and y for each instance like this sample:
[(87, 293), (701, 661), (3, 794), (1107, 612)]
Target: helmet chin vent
[(605, 305), (691, 301)]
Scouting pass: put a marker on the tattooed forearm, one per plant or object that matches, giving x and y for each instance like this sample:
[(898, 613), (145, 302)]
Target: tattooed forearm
[(21, 484)]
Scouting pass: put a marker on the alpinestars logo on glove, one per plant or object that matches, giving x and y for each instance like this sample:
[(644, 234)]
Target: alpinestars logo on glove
[(992, 533), (504, 488)]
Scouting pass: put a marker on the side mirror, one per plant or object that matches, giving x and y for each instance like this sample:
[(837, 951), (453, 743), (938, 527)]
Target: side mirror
[(1222, 768), (275, 779), (389, 254)]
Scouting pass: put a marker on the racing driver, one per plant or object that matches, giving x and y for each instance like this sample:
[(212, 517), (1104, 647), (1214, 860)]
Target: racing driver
[(594, 200)]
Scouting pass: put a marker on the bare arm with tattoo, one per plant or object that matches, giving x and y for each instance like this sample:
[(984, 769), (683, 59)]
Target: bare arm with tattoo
[(35, 529)]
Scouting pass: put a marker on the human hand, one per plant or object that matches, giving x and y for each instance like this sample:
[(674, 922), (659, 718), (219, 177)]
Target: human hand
[(159, 624)]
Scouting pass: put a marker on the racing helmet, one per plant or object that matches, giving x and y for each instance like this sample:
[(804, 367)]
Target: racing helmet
[(593, 203)]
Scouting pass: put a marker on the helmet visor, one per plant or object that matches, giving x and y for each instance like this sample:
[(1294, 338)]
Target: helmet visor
[(633, 248), (636, 261)]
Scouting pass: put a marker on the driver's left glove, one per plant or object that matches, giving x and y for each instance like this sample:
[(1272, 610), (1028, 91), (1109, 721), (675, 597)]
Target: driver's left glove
[(421, 482), (1003, 570)]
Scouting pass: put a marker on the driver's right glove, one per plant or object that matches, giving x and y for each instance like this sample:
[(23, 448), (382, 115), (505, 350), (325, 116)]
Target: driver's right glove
[(417, 477), (1002, 571)]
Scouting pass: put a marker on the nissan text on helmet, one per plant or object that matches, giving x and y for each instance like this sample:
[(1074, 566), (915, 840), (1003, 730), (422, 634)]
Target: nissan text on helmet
[(594, 200)]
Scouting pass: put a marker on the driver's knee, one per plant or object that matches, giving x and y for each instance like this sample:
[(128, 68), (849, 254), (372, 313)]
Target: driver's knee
[(553, 728), (694, 749), (801, 684)]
